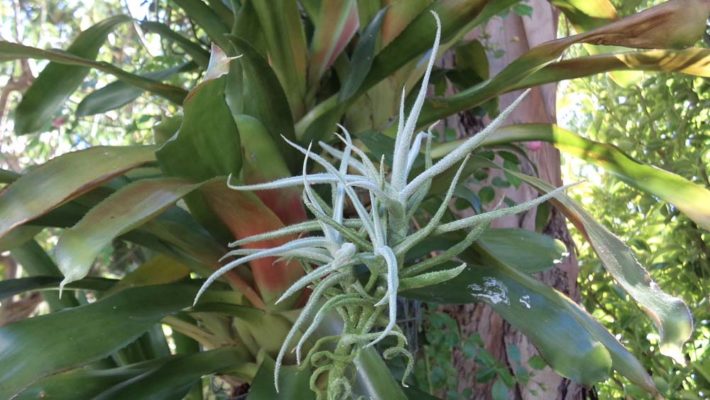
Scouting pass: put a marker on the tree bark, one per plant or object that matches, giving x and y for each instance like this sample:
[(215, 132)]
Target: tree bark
[(515, 35)]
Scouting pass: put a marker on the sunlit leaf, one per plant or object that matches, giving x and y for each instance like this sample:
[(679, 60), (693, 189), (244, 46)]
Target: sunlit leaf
[(13, 51), (57, 82), (692, 199), (670, 314)]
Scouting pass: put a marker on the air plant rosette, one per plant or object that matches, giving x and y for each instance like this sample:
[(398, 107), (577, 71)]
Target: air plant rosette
[(333, 248)]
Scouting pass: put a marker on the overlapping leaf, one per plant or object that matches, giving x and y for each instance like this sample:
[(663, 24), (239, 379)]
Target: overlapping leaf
[(670, 314), (40, 346), (691, 198), (13, 51), (64, 178), (128, 208), (57, 82)]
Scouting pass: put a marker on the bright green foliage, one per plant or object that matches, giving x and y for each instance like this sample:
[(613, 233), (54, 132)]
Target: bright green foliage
[(278, 75), (669, 130)]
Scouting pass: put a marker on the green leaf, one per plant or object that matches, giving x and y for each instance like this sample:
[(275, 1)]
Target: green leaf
[(540, 312), (362, 57), (37, 347), (57, 82), (163, 378), (119, 93), (631, 31), (418, 35), (263, 98), (11, 287), (458, 18), (526, 251), (207, 19), (293, 383), (537, 362), (374, 379), (174, 378), (126, 209), (64, 178), (692, 199), (84, 383), (286, 41), (499, 390), (13, 51), (208, 137), (166, 128), (670, 314), (198, 54)]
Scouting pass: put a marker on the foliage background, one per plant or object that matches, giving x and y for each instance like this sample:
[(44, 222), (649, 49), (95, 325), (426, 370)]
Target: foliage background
[(662, 120)]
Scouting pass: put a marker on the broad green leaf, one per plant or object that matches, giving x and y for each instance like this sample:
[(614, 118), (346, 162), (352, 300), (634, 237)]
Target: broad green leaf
[(119, 93), (208, 137), (286, 41), (526, 251), (198, 54), (86, 383), (692, 199), (64, 178), (19, 236), (207, 19), (40, 346), (336, 24), (293, 383), (557, 327), (57, 82), (223, 11), (11, 287), (126, 209), (174, 378), (194, 244), (263, 98), (13, 51), (166, 128), (374, 379), (670, 314)]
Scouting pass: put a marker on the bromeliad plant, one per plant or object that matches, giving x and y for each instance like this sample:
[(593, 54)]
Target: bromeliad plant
[(379, 238), (294, 70)]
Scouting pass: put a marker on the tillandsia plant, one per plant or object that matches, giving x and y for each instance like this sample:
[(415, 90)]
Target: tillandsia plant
[(326, 288), (379, 238)]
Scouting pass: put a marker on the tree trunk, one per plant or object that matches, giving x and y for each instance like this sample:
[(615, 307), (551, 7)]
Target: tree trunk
[(515, 35)]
